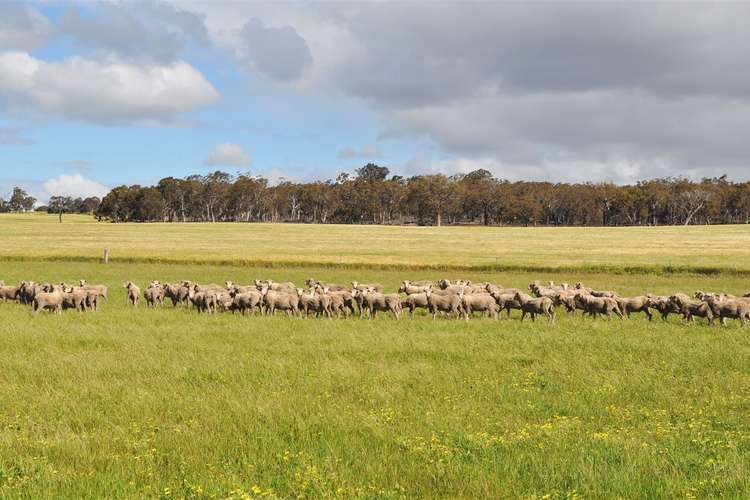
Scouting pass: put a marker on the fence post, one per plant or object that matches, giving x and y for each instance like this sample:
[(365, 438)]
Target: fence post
[(106, 255)]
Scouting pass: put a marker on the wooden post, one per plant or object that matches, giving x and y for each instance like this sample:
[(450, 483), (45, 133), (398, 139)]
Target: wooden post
[(106, 255)]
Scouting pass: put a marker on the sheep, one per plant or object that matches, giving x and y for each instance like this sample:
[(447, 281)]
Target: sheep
[(373, 301), (732, 308), (319, 303), (246, 301), (100, 289), (415, 301), (704, 296), (662, 304), (154, 295), (450, 303), (177, 293), (52, 300), (27, 291), (597, 305), (288, 287), (410, 288), (9, 293), (472, 302), (634, 304), (133, 292), (691, 308), (363, 286), (282, 300), (239, 288), (534, 306), (566, 298), (506, 299), (74, 298), (342, 301)]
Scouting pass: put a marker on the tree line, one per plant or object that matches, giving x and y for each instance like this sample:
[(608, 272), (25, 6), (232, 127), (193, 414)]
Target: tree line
[(372, 196)]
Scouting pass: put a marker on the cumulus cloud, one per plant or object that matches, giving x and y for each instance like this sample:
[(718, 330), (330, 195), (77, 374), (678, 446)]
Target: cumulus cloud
[(554, 91), (149, 30), (110, 92), (75, 186), (366, 151), (279, 53), (228, 154), (22, 27)]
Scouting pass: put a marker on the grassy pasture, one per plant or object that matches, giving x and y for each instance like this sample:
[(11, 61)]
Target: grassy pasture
[(693, 248), (169, 403)]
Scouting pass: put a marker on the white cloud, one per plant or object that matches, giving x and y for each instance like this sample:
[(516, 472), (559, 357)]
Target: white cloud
[(110, 92), (228, 154), (76, 186), (22, 27), (366, 151)]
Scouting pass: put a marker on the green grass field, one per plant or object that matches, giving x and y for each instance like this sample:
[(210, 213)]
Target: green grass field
[(172, 404)]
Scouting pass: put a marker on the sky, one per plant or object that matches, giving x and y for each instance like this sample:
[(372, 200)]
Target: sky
[(98, 94)]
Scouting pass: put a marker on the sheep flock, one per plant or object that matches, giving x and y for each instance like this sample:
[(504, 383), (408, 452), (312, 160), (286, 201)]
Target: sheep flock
[(460, 299)]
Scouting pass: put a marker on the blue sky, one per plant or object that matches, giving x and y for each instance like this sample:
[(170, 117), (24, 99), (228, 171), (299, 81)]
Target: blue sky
[(94, 95)]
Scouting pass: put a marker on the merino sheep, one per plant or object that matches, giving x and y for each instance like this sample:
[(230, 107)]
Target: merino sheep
[(363, 286), (593, 305), (372, 302), (534, 306), (134, 293), (154, 295), (449, 303), (282, 300), (732, 309), (52, 300), (477, 302), (415, 301), (318, 303), (246, 301), (634, 304)]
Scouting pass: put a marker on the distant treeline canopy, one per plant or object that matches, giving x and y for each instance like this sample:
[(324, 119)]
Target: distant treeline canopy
[(373, 197)]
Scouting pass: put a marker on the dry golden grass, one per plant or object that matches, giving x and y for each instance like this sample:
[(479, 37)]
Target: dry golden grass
[(632, 249)]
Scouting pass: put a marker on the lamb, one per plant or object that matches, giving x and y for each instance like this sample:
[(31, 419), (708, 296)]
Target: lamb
[(534, 306), (483, 302), (450, 303), (133, 292)]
